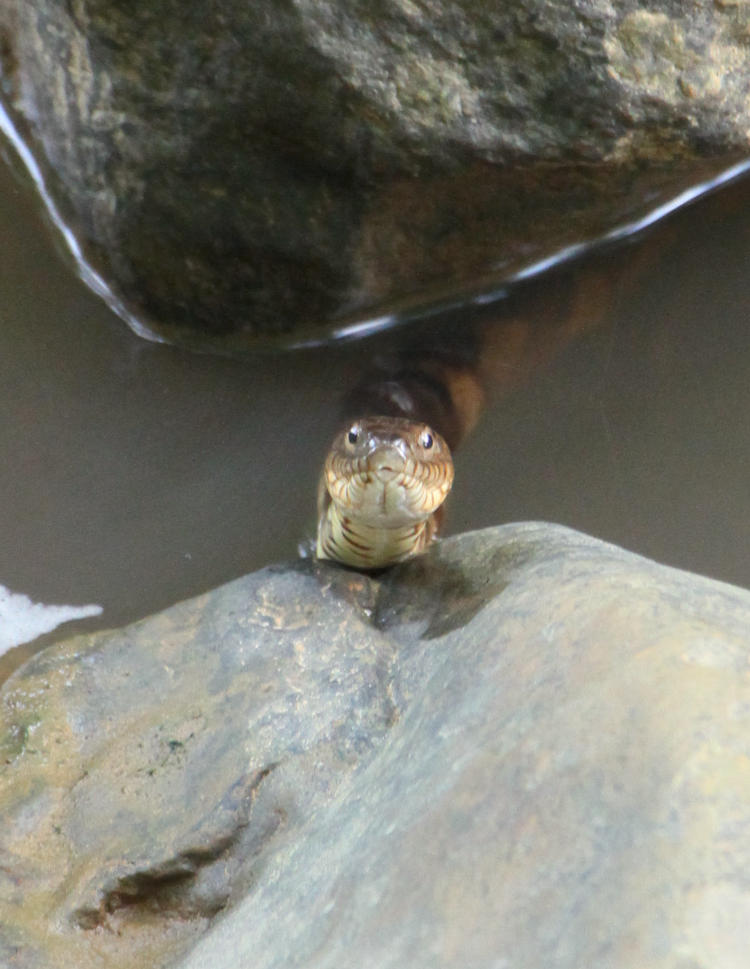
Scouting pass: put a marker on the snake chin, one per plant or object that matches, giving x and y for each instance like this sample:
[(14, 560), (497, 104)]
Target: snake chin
[(390, 503)]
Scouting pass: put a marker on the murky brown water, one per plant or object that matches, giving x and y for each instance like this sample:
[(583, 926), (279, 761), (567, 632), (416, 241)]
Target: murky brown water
[(135, 474), (639, 434)]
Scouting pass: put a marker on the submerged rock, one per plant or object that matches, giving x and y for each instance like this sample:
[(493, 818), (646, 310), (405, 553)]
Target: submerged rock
[(245, 169), (527, 749)]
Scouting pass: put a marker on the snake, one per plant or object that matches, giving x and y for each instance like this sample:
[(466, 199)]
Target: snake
[(381, 492)]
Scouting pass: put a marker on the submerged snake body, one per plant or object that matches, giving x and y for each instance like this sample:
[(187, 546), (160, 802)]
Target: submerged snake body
[(383, 482)]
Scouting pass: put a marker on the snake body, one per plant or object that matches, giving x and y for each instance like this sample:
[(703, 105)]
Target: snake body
[(383, 483)]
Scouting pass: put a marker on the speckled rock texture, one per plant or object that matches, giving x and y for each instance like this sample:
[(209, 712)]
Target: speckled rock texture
[(527, 750), (273, 169)]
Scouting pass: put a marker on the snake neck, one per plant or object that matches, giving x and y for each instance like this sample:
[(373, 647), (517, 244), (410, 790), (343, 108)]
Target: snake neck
[(344, 539)]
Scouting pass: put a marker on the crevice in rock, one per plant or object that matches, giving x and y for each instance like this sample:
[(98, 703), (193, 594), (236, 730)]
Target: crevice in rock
[(195, 883)]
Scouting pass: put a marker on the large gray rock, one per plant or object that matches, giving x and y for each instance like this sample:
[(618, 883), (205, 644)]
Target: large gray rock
[(239, 168), (527, 750)]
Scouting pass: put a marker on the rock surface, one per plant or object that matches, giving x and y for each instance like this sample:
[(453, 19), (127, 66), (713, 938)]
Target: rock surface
[(256, 168), (527, 750)]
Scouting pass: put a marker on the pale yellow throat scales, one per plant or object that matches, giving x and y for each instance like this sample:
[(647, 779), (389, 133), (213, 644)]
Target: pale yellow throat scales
[(363, 546), (383, 481)]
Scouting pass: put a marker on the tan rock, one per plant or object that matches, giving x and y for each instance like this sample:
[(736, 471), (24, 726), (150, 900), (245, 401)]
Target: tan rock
[(527, 750)]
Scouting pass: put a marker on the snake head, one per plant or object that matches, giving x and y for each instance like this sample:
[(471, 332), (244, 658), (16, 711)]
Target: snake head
[(388, 472)]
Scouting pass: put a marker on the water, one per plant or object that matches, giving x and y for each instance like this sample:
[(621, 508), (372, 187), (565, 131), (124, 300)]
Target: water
[(137, 474), (639, 432)]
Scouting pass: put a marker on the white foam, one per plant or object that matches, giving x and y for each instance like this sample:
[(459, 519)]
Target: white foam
[(22, 620)]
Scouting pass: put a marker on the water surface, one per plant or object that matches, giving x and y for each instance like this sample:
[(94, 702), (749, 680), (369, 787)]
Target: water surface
[(136, 474)]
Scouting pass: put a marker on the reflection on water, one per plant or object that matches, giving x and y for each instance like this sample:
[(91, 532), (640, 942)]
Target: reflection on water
[(135, 474), (638, 434)]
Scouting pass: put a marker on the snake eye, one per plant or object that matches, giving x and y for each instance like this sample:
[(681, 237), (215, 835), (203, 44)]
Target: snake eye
[(425, 439), (353, 435)]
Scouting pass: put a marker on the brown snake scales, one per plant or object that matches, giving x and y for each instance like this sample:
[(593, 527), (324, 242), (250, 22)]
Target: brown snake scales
[(382, 487)]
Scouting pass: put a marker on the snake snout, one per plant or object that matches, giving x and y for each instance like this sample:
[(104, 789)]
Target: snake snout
[(387, 463)]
